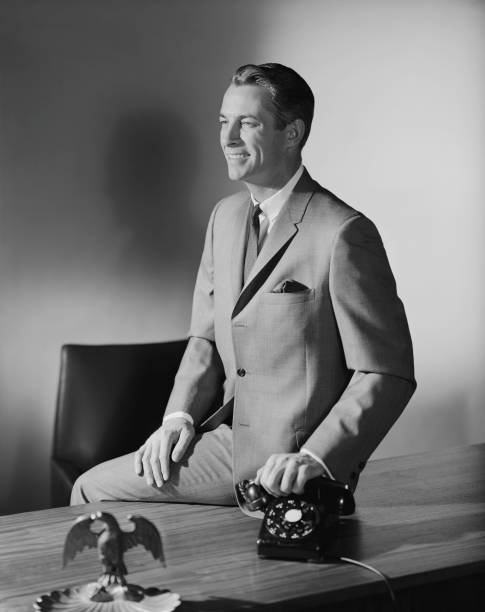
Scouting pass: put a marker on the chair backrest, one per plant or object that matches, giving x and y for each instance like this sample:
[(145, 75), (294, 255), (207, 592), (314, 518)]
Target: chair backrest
[(110, 398)]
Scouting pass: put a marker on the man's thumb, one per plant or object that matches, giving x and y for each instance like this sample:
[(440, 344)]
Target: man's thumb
[(183, 442)]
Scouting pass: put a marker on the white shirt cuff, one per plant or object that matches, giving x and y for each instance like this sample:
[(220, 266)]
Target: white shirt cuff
[(179, 415), (305, 451)]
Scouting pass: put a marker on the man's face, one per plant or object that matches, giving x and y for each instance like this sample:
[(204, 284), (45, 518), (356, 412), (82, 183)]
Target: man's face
[(255, 150)]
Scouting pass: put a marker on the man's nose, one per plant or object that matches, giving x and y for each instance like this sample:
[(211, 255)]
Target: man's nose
[(232, 134)]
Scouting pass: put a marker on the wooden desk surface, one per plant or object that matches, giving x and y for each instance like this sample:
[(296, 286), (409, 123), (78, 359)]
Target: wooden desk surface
[(420, 519)]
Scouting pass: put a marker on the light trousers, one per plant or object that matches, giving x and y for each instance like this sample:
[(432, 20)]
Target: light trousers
[(204, 476)]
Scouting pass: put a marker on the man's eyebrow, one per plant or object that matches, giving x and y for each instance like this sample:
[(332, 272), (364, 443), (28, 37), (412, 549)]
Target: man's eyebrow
[(221, 115)]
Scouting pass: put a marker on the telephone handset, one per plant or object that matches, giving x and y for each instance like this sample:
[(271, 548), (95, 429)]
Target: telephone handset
[(297, 526)]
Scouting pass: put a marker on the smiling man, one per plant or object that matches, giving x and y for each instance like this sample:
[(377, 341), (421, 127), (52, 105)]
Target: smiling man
[(258, 150), (296, 323)]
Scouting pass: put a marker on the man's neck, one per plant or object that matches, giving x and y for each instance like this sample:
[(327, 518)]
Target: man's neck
[(263, 192)]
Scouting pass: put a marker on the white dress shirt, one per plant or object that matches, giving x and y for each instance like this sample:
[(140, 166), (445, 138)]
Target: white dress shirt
[(271, 207)]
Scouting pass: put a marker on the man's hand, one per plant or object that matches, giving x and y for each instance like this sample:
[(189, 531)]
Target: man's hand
[(287, 473), (170, 441)]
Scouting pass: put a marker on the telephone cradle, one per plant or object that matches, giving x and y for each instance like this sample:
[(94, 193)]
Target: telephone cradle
[(297, 527)]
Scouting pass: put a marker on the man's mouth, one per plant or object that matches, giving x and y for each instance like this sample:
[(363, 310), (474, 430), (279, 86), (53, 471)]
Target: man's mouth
[(236, 156)]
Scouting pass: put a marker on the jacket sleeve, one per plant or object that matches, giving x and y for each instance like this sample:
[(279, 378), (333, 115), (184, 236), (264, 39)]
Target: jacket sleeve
[(377, 349), (199, 379)]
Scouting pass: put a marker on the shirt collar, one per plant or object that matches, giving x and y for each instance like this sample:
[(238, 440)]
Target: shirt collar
[(273, 205)]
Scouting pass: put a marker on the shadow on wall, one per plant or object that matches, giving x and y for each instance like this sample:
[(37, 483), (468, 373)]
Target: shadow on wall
[(439, 425), (98, 229), (152, 156)]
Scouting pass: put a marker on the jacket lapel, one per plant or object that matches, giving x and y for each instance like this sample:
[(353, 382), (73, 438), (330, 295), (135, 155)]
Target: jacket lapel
[(277, 241), (238, 248)]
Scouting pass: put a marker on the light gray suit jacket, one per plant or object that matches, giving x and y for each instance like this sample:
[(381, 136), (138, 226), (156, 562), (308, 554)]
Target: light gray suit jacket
[(329, 367)]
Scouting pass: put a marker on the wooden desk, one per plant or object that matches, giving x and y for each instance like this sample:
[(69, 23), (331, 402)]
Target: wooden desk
[(420, 519)]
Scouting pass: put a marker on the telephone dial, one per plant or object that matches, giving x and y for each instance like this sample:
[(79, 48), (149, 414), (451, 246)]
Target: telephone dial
[(297, 526)]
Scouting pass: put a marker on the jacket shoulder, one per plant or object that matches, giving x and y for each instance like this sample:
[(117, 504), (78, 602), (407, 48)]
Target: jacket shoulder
[(327, 208), (231, 206), (234, 200)]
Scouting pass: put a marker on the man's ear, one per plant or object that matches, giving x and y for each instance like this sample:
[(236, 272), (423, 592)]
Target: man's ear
[(295, 132)]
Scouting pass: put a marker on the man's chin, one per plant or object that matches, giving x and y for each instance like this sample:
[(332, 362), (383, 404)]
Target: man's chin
[(235, 175)]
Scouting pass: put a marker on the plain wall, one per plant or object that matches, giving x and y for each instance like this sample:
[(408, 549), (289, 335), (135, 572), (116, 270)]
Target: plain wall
[(110, 165)]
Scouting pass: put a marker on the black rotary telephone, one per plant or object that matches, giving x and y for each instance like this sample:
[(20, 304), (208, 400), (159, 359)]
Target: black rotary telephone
[(297, 526)]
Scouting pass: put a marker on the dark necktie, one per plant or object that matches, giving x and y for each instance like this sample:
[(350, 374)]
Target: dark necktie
[(253, 239)]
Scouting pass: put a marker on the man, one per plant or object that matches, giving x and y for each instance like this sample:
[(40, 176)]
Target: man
[(295, 319)]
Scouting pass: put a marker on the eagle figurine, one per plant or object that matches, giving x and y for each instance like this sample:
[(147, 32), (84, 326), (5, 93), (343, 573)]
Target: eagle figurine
[(112, 543)]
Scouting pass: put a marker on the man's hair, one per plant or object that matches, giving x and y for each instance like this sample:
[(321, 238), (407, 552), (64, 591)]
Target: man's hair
[(291, 95)]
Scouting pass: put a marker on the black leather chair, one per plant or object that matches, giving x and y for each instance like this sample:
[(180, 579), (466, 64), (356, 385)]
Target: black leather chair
[(110, 398)]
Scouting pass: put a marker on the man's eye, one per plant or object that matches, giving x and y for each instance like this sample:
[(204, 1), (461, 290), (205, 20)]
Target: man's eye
[(222, 121), (248, 124)]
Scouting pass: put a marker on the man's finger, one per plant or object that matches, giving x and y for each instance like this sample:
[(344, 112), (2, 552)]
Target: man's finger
[(303, 476), (271, 477), (147, 469), (155, 463), (288, 478), (166, 444), (182, 445), (263, 473), (138, 463)]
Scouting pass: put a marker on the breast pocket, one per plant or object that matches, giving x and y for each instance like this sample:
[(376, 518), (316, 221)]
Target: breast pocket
[(284, 322), (283, 299)]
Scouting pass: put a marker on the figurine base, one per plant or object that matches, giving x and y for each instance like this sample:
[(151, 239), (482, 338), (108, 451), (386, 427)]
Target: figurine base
[(115, 598)]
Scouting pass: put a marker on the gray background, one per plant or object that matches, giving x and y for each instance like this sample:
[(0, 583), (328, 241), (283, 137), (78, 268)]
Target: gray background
[(110, 165)]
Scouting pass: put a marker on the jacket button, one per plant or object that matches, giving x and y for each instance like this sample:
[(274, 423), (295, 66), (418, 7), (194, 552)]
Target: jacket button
[(241, 372)]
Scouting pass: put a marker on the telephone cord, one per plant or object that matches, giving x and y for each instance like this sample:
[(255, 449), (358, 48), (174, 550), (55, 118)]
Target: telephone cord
[(386, 579)]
